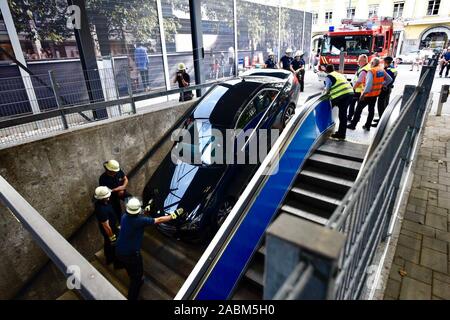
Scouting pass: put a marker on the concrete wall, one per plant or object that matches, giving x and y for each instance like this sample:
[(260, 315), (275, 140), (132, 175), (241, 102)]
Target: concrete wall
[(58, 175)]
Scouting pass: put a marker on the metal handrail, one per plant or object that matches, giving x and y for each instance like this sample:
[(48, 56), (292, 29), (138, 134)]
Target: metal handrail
[(213, 252), (10, 122), (93, 285), (339, 214)]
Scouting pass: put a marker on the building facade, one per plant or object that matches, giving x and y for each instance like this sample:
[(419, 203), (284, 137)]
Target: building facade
[(420, 23)]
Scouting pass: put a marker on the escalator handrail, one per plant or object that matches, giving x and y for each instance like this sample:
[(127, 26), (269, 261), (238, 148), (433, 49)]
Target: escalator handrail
[(218, 244)]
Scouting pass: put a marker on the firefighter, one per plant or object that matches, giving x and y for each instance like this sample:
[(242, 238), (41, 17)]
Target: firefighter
[(104, 212), (116, 180), (270, 62), (298, 68), (286, 60), (129, 242), (341, 94), (358, 83), (383, 98), (375, 80)]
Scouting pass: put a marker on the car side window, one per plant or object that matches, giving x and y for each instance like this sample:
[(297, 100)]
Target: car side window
[(259, 104)]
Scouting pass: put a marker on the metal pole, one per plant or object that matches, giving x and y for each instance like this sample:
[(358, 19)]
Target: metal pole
[(57, 97), (341, 61), (130, 93), (442, 98), (279, 31), (236, 55), (162, 35), (197, 41), (113, 69)]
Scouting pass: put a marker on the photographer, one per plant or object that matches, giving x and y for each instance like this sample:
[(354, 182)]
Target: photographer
[(183, 79)]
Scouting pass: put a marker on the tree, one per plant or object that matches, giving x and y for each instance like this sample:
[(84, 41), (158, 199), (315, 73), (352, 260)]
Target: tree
[(41, 20)]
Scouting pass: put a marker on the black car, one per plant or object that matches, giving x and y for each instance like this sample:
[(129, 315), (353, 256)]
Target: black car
[(207, 190)]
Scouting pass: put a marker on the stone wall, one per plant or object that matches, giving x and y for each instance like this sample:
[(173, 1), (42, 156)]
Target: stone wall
[(57, 176)]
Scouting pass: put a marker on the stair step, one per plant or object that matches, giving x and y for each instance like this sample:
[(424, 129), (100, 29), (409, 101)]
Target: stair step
[(308, 214), (248, 290), (167, 253), (111, 276), (149, 291), (324, 178), (315, 196), (255, 273), (160, 274), (343, 166), (344, 150), (69, 295)]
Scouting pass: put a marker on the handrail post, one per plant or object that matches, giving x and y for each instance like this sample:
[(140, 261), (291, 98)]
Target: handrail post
[(442, 98), (59, 103), (290, 238), (130, 92)]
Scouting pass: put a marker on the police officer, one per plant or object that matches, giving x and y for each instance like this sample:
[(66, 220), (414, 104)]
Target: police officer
[(376, 78), (286, 60), (270, 62), (358, 83), (298, 68), (128, 249), (383, 98), (341, 94), (116, 180), (445, 63), (104, 212)]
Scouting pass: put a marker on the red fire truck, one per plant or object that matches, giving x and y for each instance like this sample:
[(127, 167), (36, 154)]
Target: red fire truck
[(371, 37)]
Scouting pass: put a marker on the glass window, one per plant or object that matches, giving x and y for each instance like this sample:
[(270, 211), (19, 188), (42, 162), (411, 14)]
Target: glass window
[(328, 16), (351, 13), (315, 17), (291, 29), (433, 7), (259, 104), (398, 9), (354, 45), (5, 44), (373, 11)]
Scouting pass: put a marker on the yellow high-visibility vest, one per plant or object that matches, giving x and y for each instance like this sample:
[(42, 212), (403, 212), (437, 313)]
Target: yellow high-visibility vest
[(341, 86)]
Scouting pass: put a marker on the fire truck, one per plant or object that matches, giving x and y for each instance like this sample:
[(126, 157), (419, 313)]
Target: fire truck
[(372, 37)]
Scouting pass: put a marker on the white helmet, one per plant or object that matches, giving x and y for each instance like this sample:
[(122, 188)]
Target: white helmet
[(102, 193), (298, 53), (288, 50), (112, 165), (271, 53), (134, 206), (181, 67)]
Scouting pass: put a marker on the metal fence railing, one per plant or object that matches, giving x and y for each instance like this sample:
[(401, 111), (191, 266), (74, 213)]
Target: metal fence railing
[(365, 213), (36, 105)]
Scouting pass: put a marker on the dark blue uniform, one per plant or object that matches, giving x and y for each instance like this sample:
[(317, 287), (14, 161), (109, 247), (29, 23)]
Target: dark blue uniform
[(385, 95), (270, 64), (104, 211), (286, 61), (113, 182), (128, 249), (297, 64), (445, 64)]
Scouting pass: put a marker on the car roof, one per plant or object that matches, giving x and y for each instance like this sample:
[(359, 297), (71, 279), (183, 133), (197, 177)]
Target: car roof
[(223, 101), (275, 73)]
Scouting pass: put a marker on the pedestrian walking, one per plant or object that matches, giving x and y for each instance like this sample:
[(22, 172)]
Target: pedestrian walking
[(286, 60), (384, 97), (417, 62), (116, 180), (298, 68), (184, 80), (107, 223), (341, 94), (445, 63), (358, 83), (270, 62), (142, 64), (129, 243), (376, 78)]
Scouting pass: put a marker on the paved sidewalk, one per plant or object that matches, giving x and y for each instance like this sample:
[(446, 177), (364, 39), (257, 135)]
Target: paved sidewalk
[(421, 267)]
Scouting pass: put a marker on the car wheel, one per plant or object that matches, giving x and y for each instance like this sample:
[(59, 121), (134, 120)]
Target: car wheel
[(223, 212), (288, 114)]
